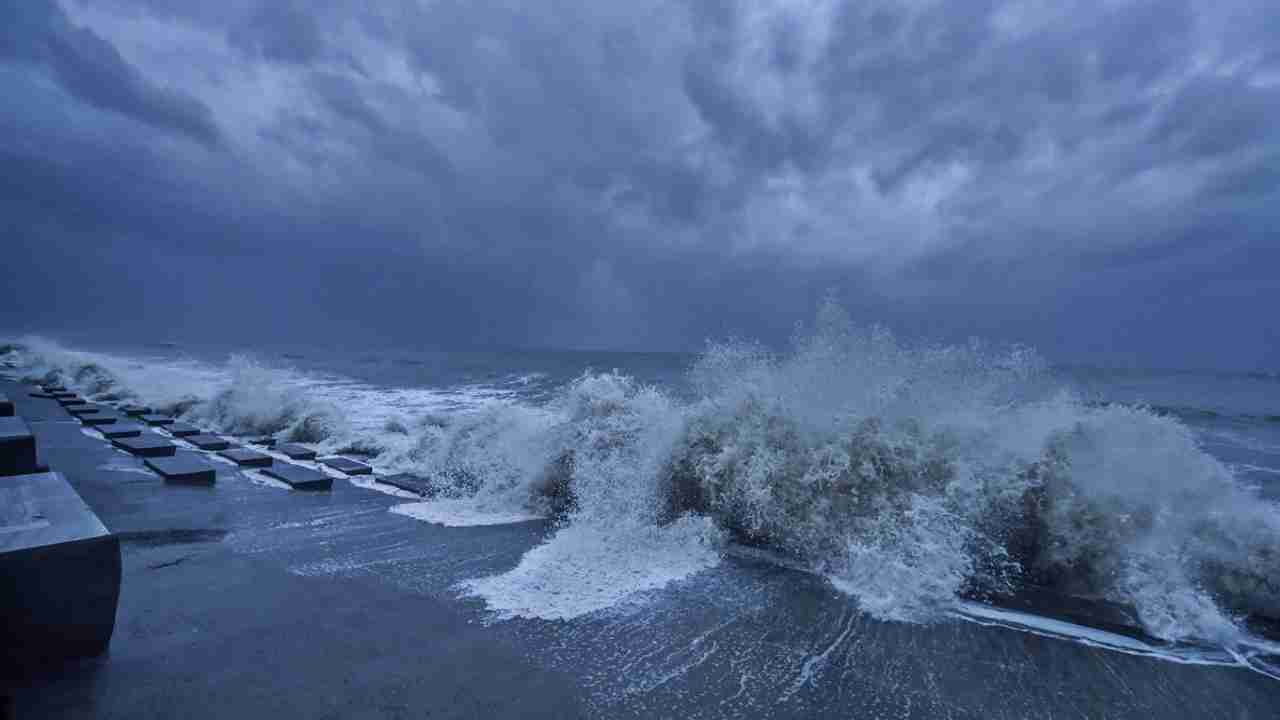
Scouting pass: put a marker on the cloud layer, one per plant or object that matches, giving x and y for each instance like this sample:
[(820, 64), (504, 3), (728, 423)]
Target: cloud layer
[(1098, 178)]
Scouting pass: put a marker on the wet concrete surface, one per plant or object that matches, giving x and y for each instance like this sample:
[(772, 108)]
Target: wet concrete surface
[(216, 621)]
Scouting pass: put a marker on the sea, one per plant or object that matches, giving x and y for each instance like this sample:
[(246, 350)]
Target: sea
[(921, 484)]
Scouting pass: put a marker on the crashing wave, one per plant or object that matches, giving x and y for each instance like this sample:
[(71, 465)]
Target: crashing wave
[(911, 476)]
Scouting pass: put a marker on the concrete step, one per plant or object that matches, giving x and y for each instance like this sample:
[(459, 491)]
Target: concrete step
[(208, 442), (188, 468), (299, 477), (296, 451), (182, 430), (146, 445), (247, 458), (99, 420), (347, 465), (61, 574), (82, 409), (121, 430), (409, 483), (17, 447)]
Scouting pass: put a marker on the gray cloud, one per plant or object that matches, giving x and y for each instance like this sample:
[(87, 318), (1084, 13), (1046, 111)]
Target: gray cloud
[(91, 69), (648, 173), (281, 31)]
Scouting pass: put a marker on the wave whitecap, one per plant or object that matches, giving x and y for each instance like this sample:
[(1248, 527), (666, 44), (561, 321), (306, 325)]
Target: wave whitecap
[(911, 476)]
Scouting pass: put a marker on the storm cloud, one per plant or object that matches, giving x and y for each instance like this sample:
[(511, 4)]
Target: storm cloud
[(1095, 178)]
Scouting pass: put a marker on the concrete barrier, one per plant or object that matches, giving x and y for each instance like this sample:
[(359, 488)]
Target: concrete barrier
[(59, 574), (408, 483), (296, 451), (187, 468), (146, 445), (182, 430), (17, 447), (208, 442), (299, 477), (247, 458), (121, 430), (98, 420), (347, 465)]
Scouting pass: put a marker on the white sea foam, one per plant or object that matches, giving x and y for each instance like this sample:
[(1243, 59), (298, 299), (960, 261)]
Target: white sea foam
[(586, 568), (1063, 630), (907, 475), (463, 513)]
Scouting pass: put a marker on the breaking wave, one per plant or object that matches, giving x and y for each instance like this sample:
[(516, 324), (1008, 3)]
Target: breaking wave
[(910, 476)]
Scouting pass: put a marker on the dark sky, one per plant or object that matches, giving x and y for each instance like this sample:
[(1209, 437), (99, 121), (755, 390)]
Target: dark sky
[(1098, 179)]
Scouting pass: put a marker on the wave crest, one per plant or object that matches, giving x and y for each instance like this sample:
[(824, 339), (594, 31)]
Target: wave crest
[(909, 475)]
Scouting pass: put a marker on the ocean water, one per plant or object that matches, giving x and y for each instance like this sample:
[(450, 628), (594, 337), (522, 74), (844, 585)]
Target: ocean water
[(924, 482)]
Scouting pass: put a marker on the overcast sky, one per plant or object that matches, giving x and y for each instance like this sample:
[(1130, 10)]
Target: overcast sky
[(1100, 179)]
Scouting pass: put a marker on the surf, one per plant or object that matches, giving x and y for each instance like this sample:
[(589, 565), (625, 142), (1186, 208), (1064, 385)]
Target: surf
[(917, 479)]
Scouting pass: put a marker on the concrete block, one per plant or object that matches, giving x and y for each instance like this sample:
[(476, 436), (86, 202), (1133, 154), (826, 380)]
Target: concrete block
[(59, 574), (135, 410), (247, 458), (65, 399), (6, 406), (146, 445), (83, 409), (121, 430), (263, 441), (54, 388), (157, 419), (347, 465), (187, 468), (296, 451), (17, 447), (40, 394), (182, 430), (299, 477), (208, 442), (408, 483), (99, 420)]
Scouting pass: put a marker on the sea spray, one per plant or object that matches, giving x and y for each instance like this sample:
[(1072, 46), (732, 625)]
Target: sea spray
[(909, 475), (256, 400), (104, 376), (611, 440)]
